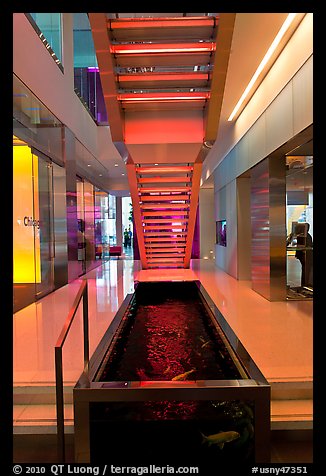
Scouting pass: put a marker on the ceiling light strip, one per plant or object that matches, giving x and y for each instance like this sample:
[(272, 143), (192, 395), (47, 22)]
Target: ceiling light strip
[(264, 61), (207, 47), (163, 97), (163, 77)]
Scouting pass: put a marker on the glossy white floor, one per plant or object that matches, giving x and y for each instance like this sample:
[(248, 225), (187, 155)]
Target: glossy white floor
[(277, 335)]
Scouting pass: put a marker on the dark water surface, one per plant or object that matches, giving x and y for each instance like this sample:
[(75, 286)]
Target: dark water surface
[(169, 333)]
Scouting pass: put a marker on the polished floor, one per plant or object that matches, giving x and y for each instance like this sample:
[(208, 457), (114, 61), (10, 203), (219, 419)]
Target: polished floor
[(277, 335)]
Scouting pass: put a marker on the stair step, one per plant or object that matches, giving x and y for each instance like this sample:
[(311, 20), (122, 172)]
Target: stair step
[(294, 390), (166, 253), (158, 234), (156, 246), (156, 228), (40, 393), (170, 240), (168, 249), (164, 260), (142, 190), (40, 419), (164, 170), (163, 198), (165, 266), (292, 414), (164, 179), (172, 213), (165, 220), (156, 206)]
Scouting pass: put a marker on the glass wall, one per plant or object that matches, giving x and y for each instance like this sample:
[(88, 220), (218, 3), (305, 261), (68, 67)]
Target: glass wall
[(127, 225), (81, 227), (94, 225), (299, 224), (112, 220), (86, 73), (50, 31), (101, 224), (33, 234)]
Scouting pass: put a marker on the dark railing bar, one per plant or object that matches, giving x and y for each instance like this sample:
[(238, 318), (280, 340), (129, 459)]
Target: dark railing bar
[(82, 294)]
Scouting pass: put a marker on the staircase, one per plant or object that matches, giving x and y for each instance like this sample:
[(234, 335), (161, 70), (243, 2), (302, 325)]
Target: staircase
[(165, 201)]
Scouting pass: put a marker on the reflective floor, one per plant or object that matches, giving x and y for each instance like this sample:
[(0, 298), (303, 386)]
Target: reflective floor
[(277, 335)]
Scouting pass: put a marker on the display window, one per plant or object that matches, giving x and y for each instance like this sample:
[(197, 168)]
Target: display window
[(33, 240), (299, 223)]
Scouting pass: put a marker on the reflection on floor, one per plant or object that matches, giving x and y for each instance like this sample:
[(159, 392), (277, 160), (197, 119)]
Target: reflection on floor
[(277, 335)]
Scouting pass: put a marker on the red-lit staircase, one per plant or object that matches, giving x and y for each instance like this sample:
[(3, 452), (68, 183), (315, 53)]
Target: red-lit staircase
[(165, 201), (163, 78)]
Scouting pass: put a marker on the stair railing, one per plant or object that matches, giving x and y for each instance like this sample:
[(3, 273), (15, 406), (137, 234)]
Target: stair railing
[(82, 294)]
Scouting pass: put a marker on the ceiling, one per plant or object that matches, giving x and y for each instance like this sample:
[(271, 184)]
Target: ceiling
[(252, 36)]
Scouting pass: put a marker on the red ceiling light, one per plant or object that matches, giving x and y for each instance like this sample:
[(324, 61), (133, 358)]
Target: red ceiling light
[(163, 76), (163, 97), (163, 48)]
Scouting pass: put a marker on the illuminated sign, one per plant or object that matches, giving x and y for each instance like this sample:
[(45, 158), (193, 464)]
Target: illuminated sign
[(26, 235), (29, 221)]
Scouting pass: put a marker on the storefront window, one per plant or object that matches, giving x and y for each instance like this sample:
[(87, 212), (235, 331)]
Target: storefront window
[(299, 223), (101, 224), (81, 227), (112, 220), (127, 226), (33, 236)]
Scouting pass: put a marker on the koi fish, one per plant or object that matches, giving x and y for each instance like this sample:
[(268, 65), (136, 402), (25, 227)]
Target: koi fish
[(220, 438), (184, 375), (205, 344), (141, 374)]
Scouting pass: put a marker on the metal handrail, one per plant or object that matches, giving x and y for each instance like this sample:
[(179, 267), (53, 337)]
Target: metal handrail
[(82, 294)]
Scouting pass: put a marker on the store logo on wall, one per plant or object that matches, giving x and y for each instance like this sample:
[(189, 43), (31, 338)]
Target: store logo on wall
[(28, 221)]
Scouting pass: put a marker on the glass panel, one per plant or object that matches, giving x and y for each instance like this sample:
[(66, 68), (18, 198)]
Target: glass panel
[(81, 227), (34, 123), (101, 225), (86, 73), (44, 239), (299, 222), (89, 224), (50, 25), (127, 226), (112, 221)]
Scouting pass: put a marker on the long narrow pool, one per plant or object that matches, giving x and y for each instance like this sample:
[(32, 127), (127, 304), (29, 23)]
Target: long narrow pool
[(171, 382)]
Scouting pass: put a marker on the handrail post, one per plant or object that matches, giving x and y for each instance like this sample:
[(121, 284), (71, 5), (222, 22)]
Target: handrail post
[(86, 330)]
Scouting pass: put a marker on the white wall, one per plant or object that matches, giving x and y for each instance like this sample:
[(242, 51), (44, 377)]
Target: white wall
[(207, 223), (292, 69), (225, 206), (243, 228), (266, 124)]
